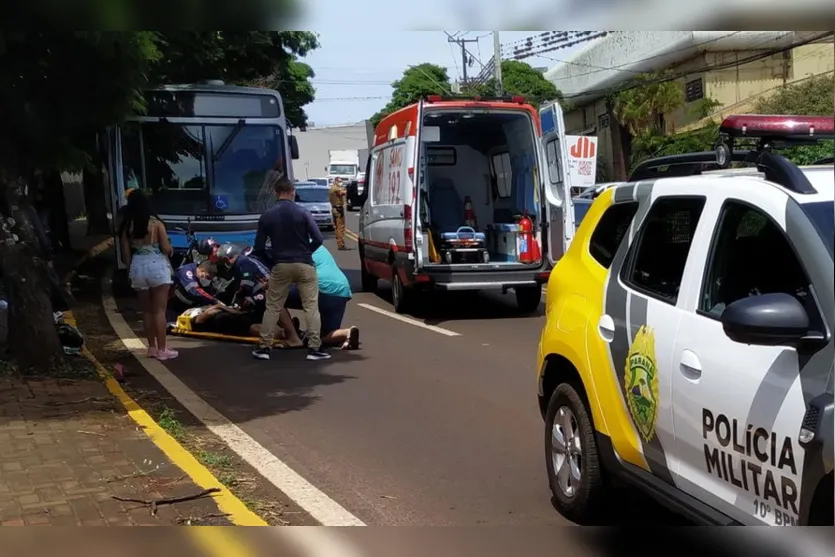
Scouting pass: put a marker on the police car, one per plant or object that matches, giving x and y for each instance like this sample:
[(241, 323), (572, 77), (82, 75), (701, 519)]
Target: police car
[(688, 343)]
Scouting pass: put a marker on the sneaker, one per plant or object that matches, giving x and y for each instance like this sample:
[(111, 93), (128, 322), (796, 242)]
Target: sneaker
[(317, 355), (153, 352), (167, 354), (353, 338), (261, 353)]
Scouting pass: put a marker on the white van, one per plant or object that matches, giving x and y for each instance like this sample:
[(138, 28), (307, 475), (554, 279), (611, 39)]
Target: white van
[(451, 184)]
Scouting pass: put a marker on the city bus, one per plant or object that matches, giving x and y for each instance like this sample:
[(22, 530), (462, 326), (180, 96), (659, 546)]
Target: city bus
[(204, 154)]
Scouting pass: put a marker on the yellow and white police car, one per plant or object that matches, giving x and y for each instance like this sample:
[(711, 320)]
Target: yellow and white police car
[(688, 346)]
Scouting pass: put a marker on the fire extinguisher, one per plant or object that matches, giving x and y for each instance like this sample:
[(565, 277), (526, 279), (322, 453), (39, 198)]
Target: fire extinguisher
[(528, 245)]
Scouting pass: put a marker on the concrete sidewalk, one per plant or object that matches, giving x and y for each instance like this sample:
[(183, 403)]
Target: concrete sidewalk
[(70, 449)]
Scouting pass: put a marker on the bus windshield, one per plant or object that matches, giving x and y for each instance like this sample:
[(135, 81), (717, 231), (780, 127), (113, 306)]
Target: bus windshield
[(203, 169)]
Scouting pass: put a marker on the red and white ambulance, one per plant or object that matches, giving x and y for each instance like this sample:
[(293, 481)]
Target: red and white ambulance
[(466, 194)]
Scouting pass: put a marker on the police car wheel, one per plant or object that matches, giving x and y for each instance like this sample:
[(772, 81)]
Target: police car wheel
[(574, 470)]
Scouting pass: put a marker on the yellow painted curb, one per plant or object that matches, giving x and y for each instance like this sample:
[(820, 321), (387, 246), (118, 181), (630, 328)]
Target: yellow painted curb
[(238, 513)]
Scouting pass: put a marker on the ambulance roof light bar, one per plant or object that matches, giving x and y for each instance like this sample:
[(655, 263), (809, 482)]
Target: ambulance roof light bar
[(778, 127), (517, 99)]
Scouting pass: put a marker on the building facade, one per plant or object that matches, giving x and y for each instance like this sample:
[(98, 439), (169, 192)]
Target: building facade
[(731, 68), (314, 144)]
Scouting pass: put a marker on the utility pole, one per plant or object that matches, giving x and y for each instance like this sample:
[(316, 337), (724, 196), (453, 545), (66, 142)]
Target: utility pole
[(497, 63), (465, 56)]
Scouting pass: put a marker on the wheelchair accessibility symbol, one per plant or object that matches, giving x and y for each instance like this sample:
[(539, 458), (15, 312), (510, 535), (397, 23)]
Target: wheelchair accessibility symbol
[(221, 202)]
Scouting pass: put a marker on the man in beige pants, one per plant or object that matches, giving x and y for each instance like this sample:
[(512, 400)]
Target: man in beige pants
[(294, 236)]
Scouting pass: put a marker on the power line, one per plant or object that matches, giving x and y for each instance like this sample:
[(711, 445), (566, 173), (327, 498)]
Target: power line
[(466, 58)]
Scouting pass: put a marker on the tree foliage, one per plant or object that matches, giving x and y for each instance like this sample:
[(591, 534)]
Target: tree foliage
[(260, 58), (520, 78), (416, 82), (640, 108), (58, 89), (810, 97)]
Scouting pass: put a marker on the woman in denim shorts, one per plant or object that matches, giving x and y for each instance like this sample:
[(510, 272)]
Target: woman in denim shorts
[(146, 250)]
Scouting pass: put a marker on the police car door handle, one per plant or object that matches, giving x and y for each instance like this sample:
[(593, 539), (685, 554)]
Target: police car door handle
[(606, 328), (690, 365)]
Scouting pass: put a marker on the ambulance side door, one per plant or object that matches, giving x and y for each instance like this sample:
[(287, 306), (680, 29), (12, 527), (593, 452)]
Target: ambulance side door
[(559, 210), (739, 402)]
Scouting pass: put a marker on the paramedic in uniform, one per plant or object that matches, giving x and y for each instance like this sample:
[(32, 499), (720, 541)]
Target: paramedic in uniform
[(337, 195), (253, 278), (192, 288)]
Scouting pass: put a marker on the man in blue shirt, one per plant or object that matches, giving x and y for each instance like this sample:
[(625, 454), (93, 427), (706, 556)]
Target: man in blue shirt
[(334, 293), (294, 236)]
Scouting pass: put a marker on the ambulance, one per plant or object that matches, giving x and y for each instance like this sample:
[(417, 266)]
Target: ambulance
[(466, 194)]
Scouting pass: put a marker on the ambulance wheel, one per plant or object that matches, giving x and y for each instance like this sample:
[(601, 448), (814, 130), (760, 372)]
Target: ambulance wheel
[(401, 296), (528, 298), (575, 473), (369, 281)]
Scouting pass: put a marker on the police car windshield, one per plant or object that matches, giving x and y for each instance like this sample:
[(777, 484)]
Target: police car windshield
[(311, 195), (822, 214)]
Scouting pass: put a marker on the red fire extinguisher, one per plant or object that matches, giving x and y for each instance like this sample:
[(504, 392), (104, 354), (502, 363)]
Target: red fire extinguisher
[(528, 245)]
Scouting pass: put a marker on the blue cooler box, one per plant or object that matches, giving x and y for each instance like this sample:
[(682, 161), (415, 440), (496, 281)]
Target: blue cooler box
[(504, 242)]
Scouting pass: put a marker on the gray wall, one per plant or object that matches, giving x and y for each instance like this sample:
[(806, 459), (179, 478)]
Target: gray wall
[(315, 143)]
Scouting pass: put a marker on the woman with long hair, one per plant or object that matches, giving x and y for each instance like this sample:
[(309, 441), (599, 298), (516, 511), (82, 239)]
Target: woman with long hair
[(146, 250)]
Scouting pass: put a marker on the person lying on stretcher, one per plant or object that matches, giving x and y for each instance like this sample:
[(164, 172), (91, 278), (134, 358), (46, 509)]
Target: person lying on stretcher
[(229, 321), (252, 276)]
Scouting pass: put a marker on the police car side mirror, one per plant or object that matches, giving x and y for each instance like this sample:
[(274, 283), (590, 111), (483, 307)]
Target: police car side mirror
[(766, 320)]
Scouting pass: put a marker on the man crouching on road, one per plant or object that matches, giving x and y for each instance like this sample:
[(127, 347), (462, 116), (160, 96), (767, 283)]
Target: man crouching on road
[(334, 294), (252, 276), (294, 236)]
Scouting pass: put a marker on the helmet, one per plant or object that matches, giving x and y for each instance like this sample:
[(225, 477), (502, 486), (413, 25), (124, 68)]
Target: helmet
[(206, 246), (228, 250)]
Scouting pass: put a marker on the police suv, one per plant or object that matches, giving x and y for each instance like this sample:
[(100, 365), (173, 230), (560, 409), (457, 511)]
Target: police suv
[(688, 344)]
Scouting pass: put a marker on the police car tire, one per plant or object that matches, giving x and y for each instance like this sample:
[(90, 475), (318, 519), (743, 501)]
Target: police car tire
[(583, 507)]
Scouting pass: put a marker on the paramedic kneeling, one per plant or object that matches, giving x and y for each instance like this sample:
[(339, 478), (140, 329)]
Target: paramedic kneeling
[(192, 288), (334, 293), (252, 276)]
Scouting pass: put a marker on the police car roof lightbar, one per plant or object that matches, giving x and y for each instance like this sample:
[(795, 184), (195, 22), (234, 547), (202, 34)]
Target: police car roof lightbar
[(778, 127)]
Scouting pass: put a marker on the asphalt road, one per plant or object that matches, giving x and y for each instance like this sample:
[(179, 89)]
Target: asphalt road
[(417, 427)]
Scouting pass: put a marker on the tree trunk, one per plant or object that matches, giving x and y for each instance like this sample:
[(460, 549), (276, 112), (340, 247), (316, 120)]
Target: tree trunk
[(619, 161), (33, 339), (95, 200), (58, 223)]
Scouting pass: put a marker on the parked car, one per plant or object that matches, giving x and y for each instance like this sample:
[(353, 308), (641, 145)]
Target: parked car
[(314, 198), (688, 299)]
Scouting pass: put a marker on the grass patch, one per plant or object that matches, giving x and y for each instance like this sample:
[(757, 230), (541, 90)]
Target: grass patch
[(168, 421), (69, 367), (214, 460)]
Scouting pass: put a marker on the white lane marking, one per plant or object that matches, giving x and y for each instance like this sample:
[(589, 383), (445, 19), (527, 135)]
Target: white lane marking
[(410, 321), (317, 504), (317, 542)]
